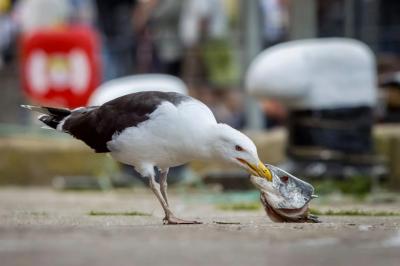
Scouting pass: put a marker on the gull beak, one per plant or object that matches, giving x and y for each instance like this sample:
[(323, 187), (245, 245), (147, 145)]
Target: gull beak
[(257, 170), (263, 171)]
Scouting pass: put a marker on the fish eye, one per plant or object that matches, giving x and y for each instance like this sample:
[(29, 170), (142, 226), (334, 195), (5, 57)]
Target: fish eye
[(239, 148), (284, 178)]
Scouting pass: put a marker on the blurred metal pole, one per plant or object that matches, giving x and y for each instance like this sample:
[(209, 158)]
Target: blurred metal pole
[(252, 46), (303, 18), (349, 18), (370, 23)]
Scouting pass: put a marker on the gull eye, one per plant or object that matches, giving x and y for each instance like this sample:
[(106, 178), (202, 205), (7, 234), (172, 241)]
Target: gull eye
[(239, 148)]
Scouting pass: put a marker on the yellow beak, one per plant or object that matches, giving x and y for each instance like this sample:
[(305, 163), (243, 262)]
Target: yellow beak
[(258, 170)]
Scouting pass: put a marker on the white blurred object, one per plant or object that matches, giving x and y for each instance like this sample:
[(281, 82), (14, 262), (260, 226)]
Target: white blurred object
[(146, 82), (34, 14), (315, 73), (6, 30), (275, 19), (194, 12)]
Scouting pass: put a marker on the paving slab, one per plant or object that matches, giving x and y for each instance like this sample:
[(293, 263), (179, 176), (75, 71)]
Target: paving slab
[(40, 226)]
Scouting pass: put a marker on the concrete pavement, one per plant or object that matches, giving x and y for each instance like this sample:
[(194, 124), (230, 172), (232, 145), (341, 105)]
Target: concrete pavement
[(45, 227)]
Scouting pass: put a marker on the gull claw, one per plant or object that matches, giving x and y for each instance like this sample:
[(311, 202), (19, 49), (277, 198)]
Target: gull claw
[(313, 219)]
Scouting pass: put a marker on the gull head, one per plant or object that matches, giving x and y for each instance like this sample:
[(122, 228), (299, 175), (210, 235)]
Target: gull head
[(231, 145)]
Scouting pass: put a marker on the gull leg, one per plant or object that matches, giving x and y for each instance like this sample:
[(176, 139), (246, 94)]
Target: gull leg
[(169, 216), (164, 184)]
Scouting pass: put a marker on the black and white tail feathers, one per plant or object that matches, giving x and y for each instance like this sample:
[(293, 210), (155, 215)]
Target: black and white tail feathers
[(51, 116), (96, 125)]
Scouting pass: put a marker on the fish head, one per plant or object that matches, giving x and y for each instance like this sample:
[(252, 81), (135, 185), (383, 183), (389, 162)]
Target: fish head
[(286, 198)]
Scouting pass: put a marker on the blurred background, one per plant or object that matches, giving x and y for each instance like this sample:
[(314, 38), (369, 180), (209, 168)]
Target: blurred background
[(316, 85)]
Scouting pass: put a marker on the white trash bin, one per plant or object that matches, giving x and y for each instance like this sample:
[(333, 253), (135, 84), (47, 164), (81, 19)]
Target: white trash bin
[(329, 88), (130, 84)]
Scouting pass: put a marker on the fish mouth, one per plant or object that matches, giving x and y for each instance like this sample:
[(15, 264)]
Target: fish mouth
[(286, 198), (299, 215)]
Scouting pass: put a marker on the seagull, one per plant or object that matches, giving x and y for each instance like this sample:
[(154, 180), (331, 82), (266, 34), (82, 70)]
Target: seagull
[(154, 130)]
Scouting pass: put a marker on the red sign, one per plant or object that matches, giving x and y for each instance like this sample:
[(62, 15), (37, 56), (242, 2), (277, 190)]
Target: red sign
[(60, 67)]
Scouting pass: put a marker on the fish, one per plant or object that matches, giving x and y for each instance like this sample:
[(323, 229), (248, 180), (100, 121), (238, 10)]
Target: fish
[(286, 198)]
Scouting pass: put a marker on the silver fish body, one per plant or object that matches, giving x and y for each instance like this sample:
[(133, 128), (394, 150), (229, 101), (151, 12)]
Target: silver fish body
[(286, 198)]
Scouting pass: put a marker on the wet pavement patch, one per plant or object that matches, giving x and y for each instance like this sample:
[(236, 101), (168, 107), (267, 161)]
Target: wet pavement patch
[(131, 213), (244, 206), (353, 213)]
